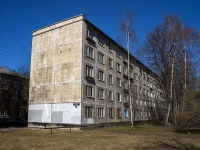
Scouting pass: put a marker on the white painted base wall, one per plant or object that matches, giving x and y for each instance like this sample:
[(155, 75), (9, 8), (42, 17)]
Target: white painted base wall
[(62, 113)]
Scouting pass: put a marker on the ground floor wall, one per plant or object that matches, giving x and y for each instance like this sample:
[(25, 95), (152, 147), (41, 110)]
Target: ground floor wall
[(77, 113), (59, 113)]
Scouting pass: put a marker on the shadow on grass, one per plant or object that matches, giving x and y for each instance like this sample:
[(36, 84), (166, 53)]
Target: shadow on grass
[(179, 145)]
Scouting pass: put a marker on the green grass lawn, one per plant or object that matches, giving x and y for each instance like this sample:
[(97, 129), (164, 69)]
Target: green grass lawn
[(121, 137)]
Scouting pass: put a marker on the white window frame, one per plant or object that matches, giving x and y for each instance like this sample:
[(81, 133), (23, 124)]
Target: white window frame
[(89, 91), (89, 71), (90, 52), (100, 112), (119, 97), (125, 71), (125, 84), (88, 112), (101, 58), (118, 67), (110, 79), (110, 94), (110, 62), (89, 33), (141, 102), (101, 40), (100, 75), (125, 98), (118, 82), (135, 76), (101, 94)]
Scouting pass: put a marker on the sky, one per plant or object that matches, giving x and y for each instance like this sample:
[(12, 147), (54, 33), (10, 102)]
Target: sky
[(19, 18)]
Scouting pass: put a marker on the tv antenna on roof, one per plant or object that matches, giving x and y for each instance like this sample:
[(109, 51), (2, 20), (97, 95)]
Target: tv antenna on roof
[(85, 13)]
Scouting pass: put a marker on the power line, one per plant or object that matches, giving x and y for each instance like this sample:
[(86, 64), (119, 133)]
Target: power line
[(48, 10), (14, 34), (110, 7), (8, 44), (7, 48)]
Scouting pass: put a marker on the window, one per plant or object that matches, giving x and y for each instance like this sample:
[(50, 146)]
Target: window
[(125, 71), (136, 101), (2, 113), (140, 90), (119, 82), (101, 41), (135, 76), (136, 88), (141, 114), (144, 91), (109, 46), (145, 103), (100, 112), (144, 76), (140, 102), (89, 71), (90, 52), (110, 95), (140, 79), (119, 97), (101, 93), (1, 104), (125, 84), (13, 96), (110, 61), (125, 113), (118, 67), (110, 112), (101, 75), (125, 98), (89, 91), (151, 94), (118, 113), (131, 73), (90, 33), (110, 78), (88, 111), (101, 58), (4, 87)]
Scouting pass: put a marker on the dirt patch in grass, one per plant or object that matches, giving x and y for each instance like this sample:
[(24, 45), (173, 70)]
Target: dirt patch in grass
[(120, 138)]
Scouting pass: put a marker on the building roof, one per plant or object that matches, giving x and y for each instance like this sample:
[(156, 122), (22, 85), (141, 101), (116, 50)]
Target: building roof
[(6, 70)]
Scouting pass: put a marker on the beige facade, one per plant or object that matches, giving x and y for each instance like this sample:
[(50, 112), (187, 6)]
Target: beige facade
[(73, 62)]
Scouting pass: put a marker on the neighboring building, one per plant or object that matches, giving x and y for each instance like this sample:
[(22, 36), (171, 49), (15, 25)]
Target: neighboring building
[(12, 106), (79, 76)]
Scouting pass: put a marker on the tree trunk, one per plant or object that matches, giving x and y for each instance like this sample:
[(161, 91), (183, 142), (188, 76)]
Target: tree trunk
[(171, 91)]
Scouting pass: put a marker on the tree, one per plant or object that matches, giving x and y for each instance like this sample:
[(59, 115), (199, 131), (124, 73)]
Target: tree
[(165, 52), (23, 70), (129, 34)]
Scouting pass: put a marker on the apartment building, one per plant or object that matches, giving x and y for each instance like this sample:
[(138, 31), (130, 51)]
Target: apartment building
[(79, 75), (11, 104)]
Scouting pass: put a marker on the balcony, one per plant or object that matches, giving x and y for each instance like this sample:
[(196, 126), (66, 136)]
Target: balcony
[(126, 103), (90, 39), (126, 91)]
